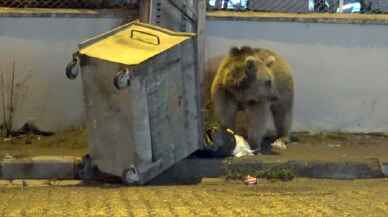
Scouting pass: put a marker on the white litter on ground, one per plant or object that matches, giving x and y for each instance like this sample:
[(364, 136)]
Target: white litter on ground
[(242, 147), (8, 157)]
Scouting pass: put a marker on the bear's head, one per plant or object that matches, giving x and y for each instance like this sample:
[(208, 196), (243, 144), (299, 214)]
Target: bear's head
[(246, 71)]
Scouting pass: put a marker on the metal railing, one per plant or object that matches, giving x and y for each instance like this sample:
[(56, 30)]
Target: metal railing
[(302, 6), (84, 4)]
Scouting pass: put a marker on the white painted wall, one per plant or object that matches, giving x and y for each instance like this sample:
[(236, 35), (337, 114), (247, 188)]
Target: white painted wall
[(340, 70), (41, 47)]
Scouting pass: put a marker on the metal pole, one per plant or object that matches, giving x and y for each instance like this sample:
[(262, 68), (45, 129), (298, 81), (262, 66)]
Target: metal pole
[(341, 5), (145, 10), (193, 18), (200, 27)]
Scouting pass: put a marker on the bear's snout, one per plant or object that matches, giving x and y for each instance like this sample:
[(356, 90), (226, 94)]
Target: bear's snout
[(268, 84)]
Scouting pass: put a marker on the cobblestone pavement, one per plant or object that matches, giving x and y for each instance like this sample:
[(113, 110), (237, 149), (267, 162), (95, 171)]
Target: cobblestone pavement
[(213, 197)]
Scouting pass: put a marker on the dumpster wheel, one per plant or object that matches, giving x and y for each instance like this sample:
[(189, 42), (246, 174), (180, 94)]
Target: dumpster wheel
[(122, 79), (72, 69), (131, 176), (86, 170)]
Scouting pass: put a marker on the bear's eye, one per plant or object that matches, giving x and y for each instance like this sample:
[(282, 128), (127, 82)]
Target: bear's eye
[(268, 83)]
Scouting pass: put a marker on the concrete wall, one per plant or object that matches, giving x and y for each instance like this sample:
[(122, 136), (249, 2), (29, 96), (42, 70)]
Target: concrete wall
[(40, 47), (341, 70)]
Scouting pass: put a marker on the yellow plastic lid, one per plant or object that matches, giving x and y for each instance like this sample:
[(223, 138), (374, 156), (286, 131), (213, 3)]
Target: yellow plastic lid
[(133, 43)]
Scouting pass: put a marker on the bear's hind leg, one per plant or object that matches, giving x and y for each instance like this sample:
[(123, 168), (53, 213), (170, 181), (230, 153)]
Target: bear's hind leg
[(282, 117)]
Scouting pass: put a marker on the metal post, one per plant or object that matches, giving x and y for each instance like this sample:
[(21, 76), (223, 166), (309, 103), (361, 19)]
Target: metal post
[(341, 5), (145, 10), (200, 8)]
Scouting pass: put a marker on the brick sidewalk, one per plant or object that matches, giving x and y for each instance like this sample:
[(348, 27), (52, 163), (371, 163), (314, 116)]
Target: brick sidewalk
[(301, 197)]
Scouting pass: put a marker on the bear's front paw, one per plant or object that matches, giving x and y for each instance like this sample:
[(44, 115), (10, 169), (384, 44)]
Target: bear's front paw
[(279, 145)]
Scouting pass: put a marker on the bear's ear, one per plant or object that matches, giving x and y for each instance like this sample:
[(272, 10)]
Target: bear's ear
[(234, 51), (269, 61), (246, 50)]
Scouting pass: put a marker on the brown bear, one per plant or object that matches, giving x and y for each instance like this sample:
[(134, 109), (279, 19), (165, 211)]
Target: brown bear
[(257, 82)]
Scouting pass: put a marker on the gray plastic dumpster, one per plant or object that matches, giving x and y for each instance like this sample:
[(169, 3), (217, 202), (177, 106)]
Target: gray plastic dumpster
[(141, 98)]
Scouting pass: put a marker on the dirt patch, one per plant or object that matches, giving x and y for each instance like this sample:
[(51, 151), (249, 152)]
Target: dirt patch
[(324, 146), (69, 142), (337, 146)]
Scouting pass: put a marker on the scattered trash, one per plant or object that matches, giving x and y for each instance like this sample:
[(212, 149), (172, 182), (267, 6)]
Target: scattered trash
[(7, 139), (8, 157), (242, 147), (218, 143), (277, 173), (250, 180), (246, 170), (224, 143), (31, 128), (279, 145), (334, 145)]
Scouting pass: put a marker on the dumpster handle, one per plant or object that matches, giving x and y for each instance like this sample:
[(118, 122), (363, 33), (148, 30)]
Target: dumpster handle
[(146, 33)]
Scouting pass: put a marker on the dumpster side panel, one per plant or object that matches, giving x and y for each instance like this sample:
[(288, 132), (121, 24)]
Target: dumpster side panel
[(172, 106), (109, 118), (180, 129), (190, 99), (141, 122), (162, 81), (160, 88)]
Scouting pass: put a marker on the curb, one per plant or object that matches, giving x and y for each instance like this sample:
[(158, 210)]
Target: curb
[(192, 170), (384, 168), (362, 169), (47, 167), (213, 168)]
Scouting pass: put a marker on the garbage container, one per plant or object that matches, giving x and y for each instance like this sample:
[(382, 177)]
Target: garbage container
[(141, 98)]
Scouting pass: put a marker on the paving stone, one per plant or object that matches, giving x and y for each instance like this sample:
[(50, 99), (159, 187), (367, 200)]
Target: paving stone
[(215, 197)]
